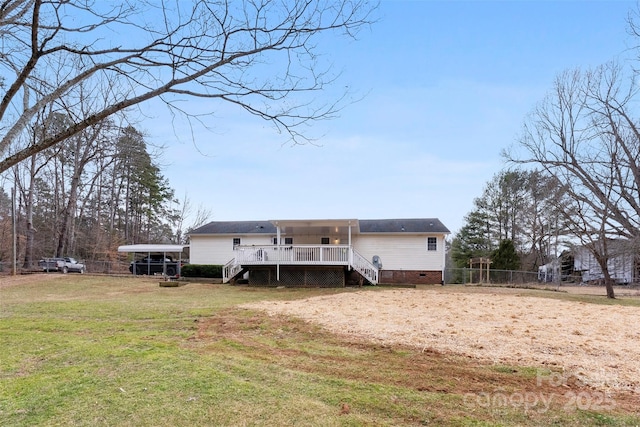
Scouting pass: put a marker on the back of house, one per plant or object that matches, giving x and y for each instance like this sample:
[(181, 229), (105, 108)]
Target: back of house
[(324, 252)]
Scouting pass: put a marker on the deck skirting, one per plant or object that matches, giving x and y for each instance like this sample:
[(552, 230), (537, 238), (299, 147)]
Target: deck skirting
[(297, 276)]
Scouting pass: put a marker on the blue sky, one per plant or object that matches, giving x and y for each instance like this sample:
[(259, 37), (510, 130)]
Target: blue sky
[(447, 84)]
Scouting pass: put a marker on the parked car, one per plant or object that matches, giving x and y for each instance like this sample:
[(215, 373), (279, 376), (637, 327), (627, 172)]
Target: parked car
[(154, 264), (63, 265)]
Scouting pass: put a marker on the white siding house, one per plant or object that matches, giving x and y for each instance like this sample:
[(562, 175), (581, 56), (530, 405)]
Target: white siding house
[(324, 252), (622, 265)]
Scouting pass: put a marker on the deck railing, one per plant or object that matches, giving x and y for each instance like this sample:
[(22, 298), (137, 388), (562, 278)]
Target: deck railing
[(230, 269), (293, 254), (364, 267), (299, 255)]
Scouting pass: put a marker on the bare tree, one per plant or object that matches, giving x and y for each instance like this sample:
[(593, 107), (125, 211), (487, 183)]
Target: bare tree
[(185, 212), (202, 216), (5, 229), (260, 55), (585, 135), (79, 151), (543, 225), (25, 177)]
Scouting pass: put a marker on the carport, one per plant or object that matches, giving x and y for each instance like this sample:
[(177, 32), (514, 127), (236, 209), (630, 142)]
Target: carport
[(149, 249)]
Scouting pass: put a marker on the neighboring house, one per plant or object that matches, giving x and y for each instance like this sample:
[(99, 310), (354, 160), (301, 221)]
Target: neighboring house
[(559, 269), (328, 252), (622, 263)]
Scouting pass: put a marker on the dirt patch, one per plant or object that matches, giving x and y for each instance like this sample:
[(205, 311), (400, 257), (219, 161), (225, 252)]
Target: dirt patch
[(598, 344)]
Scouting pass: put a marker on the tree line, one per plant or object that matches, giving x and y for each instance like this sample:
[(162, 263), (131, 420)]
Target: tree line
[(84, 182), (73, 71), (514, 222), (573, 175), (89, 194)]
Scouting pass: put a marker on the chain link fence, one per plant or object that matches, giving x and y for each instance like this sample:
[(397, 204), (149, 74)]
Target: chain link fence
[(108, 267), (504, 277)]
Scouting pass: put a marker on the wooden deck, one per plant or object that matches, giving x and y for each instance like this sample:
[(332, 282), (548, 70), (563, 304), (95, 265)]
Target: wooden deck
[(302, 255)]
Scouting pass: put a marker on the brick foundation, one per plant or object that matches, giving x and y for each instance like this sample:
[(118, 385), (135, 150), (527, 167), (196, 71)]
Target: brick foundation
[(414, 277)]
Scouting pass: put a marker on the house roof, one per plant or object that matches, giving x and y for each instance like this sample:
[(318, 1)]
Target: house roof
[(408, 225), (236, 227)]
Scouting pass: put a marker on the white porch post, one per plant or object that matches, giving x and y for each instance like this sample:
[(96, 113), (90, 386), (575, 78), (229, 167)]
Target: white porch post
[(350, 248), (278, 251), (444, 259)]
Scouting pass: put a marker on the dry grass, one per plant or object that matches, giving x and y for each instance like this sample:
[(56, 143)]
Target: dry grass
[(98, 350), (598, 344), (27, 279)]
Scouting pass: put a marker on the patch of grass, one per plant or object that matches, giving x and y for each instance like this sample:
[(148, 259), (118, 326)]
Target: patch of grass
[(107, 351)]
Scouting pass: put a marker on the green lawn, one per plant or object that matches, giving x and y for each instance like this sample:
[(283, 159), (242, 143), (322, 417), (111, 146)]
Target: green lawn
[(83, 350)]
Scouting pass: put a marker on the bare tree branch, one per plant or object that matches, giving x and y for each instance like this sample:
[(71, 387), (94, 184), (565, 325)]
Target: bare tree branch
[(584, 135), (261, 55)]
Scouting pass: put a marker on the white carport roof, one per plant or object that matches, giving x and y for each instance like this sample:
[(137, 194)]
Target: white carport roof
[(152, 248)]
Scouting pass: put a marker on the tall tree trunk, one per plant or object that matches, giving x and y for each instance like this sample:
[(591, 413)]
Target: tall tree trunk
[(608, 284), (608, 281), (28, 205), (62, 231), (68, 215)]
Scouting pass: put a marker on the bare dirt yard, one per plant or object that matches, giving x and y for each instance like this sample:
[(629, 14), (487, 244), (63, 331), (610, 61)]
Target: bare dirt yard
[(597, 344)]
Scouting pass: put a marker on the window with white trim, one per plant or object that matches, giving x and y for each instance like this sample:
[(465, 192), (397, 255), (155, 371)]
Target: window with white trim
[(432, 244), (236, 242)]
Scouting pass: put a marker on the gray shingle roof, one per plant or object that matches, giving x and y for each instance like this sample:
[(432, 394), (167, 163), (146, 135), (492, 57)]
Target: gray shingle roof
[(409, 225), (236, 227)]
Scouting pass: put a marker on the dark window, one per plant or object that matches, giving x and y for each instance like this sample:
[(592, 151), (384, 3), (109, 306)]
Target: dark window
[(432, 244), (324, 241), (236, 242), (287, 240)]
